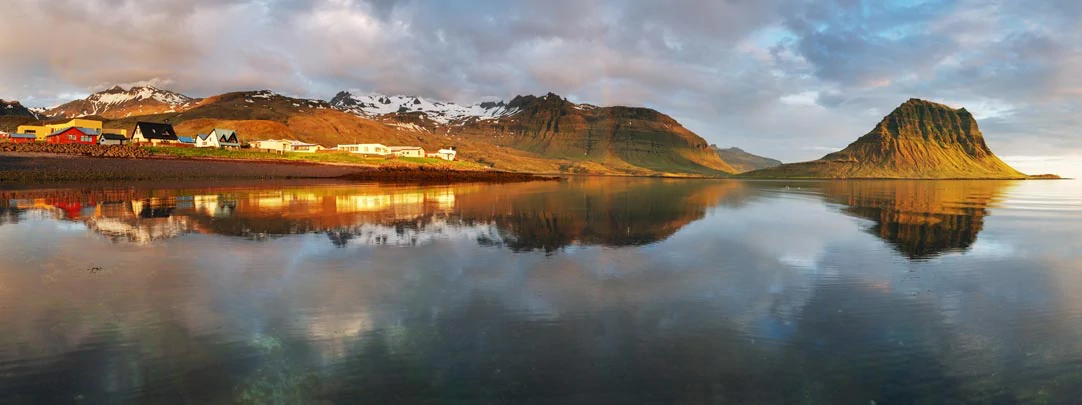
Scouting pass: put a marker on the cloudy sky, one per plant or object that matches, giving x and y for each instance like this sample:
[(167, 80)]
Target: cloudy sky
[(791, 79)]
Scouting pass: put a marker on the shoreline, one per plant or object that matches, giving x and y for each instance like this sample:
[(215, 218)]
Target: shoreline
[(23, 168)]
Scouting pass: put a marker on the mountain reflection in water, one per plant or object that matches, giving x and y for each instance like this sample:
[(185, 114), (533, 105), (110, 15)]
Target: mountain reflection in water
[(591, 290), (543, 216)]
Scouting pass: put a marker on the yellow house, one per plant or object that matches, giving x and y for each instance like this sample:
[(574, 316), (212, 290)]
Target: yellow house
[(41, 131)]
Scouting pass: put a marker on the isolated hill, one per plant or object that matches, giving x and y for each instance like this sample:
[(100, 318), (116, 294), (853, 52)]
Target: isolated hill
[(15, 109), (919, 139), (120, 103), (743, 161)]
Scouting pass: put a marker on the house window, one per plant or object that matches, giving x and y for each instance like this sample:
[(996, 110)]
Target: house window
[(87, 139)]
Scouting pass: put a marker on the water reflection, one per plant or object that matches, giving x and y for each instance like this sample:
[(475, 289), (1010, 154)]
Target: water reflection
[(700, 304), (921, 219), (522, 217)]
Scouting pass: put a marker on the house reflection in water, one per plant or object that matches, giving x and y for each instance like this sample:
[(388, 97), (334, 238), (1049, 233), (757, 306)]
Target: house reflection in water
[(360, 214)]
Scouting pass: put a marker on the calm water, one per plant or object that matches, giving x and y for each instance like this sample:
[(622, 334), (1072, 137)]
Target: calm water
[(590, 291)]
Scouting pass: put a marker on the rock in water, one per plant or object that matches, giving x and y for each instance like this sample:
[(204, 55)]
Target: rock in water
[(919, 140)]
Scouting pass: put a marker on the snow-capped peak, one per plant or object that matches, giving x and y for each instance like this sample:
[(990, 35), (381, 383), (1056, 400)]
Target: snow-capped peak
[(374, 105), (118, 95)]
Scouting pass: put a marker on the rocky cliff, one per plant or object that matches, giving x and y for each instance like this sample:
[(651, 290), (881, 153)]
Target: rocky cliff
[(919, 139)]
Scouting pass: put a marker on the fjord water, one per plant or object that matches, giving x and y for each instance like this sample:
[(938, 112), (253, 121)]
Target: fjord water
[(614, 290)]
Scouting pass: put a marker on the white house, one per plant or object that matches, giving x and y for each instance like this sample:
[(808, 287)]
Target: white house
[(287, 145), (218, 138), (445, 154), (112, 139), (366, 149), (407, 151)]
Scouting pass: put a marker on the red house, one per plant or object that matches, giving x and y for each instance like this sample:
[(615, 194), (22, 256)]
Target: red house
[(73, 135)]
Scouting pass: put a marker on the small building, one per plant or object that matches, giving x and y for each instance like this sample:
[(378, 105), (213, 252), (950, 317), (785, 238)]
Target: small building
[(218, 138), (186, 140), (407, 151), (273, 145), (73, 135), (375, 149), (22, 138), (286, 145), (112, 139), (304, 147), (154, 133), (445, 153)]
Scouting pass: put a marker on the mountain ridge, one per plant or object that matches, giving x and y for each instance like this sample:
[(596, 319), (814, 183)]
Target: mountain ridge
[(116, 102)]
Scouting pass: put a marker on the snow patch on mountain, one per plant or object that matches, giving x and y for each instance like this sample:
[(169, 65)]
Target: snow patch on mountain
[(374, 105)]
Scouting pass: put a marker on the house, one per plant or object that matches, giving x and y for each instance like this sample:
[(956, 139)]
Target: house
[(43, 131), (112, 139), (22, 138), (445, 153), (227, 138), (73, 135), (286, 145), (154, 133), (407, 151), (218, 138), (186, 140), (302, 147), (366, 149)]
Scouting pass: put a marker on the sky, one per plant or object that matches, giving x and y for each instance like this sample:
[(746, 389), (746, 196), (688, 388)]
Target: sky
[(789, 79)]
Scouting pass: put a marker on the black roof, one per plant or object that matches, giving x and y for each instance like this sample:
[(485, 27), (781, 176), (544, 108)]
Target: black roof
[(151, 130), (114, 137)]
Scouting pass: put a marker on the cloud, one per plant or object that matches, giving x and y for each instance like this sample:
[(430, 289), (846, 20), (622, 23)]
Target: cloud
[(772, 76)]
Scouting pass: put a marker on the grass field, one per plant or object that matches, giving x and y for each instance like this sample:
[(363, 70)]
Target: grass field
[(343, 158)]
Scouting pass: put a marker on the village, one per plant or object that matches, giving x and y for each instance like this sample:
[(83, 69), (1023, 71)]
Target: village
[(84, 131)]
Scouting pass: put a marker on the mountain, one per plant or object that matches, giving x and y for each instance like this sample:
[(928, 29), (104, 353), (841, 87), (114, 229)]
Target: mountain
[(119, 103), (376, 106), (14, 108), (743, 161), (919, 139), (628, 139)]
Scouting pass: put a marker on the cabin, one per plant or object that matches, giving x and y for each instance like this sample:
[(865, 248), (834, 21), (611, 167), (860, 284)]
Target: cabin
[(154, 133), (22, 138), (445, 153), (218, 138), (366, 149), (112, 139), (407, 151), (72, 135)]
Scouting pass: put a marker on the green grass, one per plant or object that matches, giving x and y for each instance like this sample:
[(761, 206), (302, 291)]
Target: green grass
[(341, 157)]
